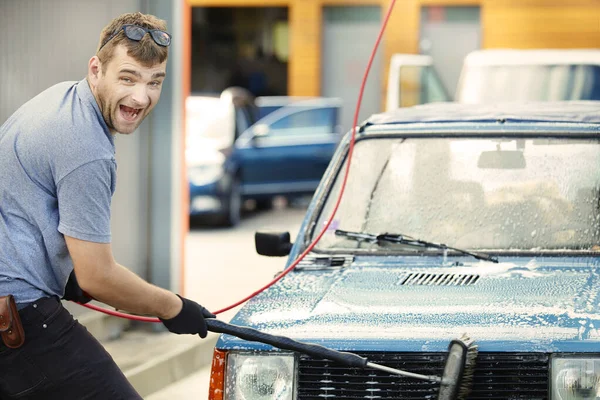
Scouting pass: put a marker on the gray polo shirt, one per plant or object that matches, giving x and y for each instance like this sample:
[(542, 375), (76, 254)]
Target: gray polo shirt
[(57, 177)]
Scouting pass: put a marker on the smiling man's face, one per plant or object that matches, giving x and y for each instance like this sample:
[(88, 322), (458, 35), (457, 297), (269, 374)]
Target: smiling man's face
[(126, 90)]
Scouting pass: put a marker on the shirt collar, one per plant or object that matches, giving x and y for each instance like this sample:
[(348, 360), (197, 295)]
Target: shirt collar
[(85, 94)]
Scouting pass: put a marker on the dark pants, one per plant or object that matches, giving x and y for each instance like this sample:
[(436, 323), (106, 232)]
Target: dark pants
[(59, 360)]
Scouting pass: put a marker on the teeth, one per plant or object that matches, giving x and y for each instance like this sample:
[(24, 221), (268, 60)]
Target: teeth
[(132, 112)]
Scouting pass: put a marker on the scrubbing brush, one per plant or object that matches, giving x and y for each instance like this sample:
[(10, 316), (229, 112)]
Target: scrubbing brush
[(457, 378)]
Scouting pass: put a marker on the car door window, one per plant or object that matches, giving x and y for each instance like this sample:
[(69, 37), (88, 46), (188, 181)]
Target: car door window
[(419, 84), (252, 112), (242, 121), (306, 122)]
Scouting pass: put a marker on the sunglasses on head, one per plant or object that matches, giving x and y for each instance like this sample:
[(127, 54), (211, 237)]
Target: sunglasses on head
[(136, 32)]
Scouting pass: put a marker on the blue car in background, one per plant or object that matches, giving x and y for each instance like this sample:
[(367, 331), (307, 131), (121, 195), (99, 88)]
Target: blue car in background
[(476, 219), (233, 156), (265, 105)]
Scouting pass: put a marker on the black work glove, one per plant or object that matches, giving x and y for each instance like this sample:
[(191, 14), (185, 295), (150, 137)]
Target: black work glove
[(190, 319), (74, 292)]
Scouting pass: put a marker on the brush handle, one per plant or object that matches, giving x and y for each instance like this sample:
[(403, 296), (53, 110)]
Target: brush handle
[(282, 342)]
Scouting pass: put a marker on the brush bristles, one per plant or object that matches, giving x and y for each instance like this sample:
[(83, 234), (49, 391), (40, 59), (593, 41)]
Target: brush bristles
[(466, 383), (457, 378)]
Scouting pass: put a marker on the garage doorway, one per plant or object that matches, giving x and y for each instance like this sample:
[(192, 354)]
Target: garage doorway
[(348, 37), (448, 34), (240, 46)]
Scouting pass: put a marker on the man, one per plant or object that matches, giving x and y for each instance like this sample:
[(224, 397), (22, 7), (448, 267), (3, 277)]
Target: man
[(57, 158)]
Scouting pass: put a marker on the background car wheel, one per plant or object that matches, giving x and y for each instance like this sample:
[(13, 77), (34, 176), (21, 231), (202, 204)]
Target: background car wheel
[(233, 211), (264, 204)]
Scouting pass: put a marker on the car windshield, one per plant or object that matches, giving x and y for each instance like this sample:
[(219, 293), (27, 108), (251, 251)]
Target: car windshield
[(497, 83), (471, 193)]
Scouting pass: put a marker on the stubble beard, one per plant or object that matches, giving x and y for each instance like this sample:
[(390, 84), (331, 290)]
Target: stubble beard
[(105, 109)]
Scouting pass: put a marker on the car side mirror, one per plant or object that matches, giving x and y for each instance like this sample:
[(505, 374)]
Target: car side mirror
[(260, 130), (272, 244)]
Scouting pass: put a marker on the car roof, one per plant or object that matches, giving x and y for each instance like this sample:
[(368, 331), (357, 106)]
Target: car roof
[(306, 101), (234, 94), (532, 57), (279, 100), (553, 112)]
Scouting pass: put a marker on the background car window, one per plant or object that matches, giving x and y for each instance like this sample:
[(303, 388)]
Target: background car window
[(242, 121), (306, 122), (530, 83), (419, 85), (263, 111), (253, 113)]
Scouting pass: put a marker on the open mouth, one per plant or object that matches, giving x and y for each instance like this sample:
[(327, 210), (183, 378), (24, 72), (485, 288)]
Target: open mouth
[(129, 113)]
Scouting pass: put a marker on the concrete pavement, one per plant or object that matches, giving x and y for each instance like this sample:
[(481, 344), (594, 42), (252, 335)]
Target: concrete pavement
[(192, 387)]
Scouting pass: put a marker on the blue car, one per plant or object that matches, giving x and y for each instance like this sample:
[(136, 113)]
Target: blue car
[(481, 220), (232, 157), (265, 105)]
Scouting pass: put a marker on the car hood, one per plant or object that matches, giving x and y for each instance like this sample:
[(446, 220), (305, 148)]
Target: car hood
[(418, 304)]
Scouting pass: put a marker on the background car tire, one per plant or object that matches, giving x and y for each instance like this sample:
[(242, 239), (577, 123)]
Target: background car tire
[(264, 204), (233, 210)]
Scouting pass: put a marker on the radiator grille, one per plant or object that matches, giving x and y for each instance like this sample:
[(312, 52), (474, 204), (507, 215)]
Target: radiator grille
[(507, 376)]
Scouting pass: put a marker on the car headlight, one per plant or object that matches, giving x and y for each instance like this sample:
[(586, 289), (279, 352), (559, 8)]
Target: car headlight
[(252, 376), (205, 174), (575, 378)]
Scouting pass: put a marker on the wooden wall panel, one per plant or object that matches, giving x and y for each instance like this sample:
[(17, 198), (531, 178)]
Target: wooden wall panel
[(541, 23), (239, 3), (401, 36), (350, 2), (304, 65), (450, 3)]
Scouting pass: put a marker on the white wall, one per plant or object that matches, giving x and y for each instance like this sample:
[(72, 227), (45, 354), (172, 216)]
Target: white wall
[(43, 42)]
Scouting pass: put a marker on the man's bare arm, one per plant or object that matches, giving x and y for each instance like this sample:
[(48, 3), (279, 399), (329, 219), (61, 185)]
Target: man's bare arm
[(99, 275)]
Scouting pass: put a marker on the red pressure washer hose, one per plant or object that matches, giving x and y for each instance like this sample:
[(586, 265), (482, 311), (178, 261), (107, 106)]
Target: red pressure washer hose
[(337, 204)]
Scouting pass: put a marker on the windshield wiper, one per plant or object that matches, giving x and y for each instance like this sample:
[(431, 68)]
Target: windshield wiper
[(410, 241)]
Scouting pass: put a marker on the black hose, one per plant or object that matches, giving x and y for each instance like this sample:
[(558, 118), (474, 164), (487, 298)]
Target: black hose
[(282, 342)]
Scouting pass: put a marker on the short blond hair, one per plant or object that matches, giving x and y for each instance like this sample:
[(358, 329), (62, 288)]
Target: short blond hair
[(146, 51)]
